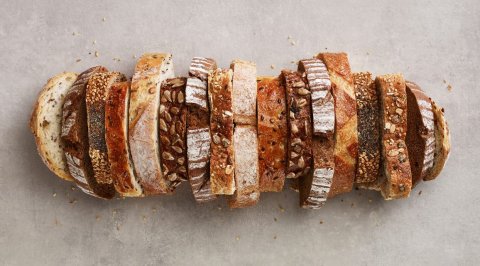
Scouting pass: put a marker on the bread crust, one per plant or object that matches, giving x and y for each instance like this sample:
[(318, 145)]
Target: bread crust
[(346, 139), (272, 133), (45, 123), (397, 176), (244, 93), (151, 70), (116, 135), (442, 142)]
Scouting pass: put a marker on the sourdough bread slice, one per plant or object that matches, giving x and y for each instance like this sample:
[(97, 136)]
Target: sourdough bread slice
[(97, 89), (442, 142), (346, 139), (116, 135), (198, 128), (396, 173), (222, 157), (151, 70), (75, 137), (420, 132), (272, 133), (244, 93), (46, 123)]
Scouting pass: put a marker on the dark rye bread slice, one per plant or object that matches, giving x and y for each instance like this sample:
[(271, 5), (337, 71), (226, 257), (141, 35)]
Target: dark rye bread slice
[(442, 141), (198, 128), (116, 135), (315, 186), (97, 89), (346, 139), (272, 133), (75, 138), (151, 70), (368, 112), (299, 148), (173, 125), (222, 157), (396, 176), (420, 132)]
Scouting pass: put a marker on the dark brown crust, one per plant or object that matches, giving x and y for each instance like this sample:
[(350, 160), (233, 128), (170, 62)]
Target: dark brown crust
[(75, 137), (299, 122), (272, 134)]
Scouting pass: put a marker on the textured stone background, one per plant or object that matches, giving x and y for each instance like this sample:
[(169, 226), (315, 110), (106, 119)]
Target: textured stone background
[(434, 43)]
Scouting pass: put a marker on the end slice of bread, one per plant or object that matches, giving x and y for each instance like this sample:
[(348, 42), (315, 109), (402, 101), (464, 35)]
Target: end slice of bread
[(442, 142)]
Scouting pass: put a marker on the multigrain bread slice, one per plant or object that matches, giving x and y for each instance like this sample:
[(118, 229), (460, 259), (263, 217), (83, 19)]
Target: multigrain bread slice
[(97, 89), (244, 109), (299, 148), (420, 137), (151, 70), (368, 112), (45, 123), (346, 139), (442, 142), (173, 127), (116, 135), (75, 137), (222, 157), (198, 128), (396, 173), (272, 134)]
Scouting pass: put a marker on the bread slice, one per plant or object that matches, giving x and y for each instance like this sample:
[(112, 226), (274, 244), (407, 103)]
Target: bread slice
[(368, 112), (396, 176), (198, 128), (272, 134), (97, 89), (75, 137), (299, 148), (222, 160), (45, 123), (151, 70), (244, 94), (442, 142), (420, 137), (173, 127), (346, 139), (116, 135)]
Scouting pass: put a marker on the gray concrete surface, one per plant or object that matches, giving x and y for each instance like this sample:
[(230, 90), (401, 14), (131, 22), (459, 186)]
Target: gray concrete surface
[(43, 221)]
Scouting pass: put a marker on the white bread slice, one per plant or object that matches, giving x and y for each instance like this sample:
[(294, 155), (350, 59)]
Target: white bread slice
[(442, 142), (151, 70), (45, 123), (244, 94)]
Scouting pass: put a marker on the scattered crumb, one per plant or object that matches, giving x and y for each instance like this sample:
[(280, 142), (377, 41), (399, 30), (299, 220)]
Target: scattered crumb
[(272, 66), (73, 201), (56, 221), (281, 208), (94, 42), (78, 60), (237, 238), (352, 205), (219, 208), (341, 200), (54, 195), (73, 188), (419, 192), (289, 37), (275, 219), (116, 59), (96, 54), (114, 211), (74, 33), (444, 81), (154, 209), (326, 48), (97, 217), (321, 221), (369, 201), (293, 43), (275, 237), (449, 87), (118, 227), (134, 56), (293, 61), (104, 19), (144, 217), (368, 53)]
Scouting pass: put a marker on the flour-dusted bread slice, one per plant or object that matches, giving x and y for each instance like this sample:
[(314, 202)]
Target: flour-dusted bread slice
[(46, 123), (368, 112), (173, 131), (420, 132), (299, 148), (397, 176), (222, 157), (198, 128), (116, 135), (151, 70), (346, 139), (75, 137), (315, 186), (272, 133), (247, 192), (244, 105), (442, 142), (97, 89)]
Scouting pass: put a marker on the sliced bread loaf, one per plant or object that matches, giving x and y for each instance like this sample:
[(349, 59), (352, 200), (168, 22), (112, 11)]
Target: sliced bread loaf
[(244, 92), (442, 142), (46, 123), (151, 70)]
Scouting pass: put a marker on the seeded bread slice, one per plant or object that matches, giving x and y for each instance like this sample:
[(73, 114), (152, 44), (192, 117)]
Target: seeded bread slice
[(272, 133), (198, 128), (244, 93), (420, 132), (442, 142), (222, 158), (97, 89), (396, 176), (45, 123), (151, 70), (75, 138), (116, 135)]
